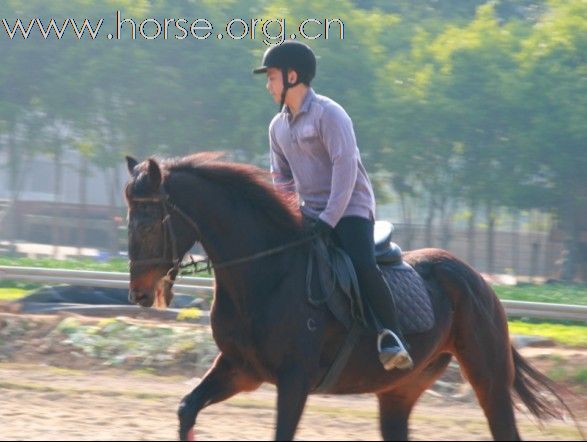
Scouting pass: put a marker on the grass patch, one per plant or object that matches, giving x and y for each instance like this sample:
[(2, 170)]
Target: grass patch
[(112, 265), (573, 335), (581, 376), (11, 294), (554, 293)]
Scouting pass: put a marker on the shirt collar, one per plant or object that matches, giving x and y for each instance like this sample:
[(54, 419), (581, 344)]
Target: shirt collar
[(308, 98)]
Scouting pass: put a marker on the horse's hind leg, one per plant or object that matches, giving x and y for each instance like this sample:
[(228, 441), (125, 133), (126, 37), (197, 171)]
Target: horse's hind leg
[(494, 396), (483, 350), (222, 381), (396, 405), (493, 393)]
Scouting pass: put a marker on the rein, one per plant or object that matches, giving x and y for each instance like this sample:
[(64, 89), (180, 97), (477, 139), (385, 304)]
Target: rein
[(167, 205)]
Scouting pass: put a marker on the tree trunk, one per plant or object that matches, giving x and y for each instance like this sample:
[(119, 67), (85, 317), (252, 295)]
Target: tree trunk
[(446, 210), (571, 240), (14, 184), (515, 245), (56, 226), (407, 218), (428, 238), (114, 187), (471, 235), (83, 201), (491, 218), (10, 225)]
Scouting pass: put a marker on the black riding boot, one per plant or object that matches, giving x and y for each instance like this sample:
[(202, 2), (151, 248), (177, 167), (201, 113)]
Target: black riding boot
[(355, 235), (390, 343)]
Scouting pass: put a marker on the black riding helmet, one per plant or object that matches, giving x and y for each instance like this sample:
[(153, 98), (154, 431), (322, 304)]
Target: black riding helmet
[(290, 55)]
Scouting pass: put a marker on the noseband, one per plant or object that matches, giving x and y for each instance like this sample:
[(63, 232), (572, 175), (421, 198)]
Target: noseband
[(176, 262)]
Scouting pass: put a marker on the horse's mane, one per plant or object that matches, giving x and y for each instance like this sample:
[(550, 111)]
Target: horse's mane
[(243, 184)]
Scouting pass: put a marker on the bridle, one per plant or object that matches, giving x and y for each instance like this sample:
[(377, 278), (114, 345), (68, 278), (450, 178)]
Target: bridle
[(170, 239), (176, 262)]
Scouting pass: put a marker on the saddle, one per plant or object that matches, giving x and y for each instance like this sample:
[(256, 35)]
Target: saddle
[(331, 280), (386, 252)]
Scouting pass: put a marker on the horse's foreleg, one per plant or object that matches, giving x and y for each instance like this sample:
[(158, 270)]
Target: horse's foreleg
[(222, 381), (396, 405), (292, 393)]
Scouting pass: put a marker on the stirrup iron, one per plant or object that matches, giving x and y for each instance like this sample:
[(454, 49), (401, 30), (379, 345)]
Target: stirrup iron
[(400, 360), (387, 332)]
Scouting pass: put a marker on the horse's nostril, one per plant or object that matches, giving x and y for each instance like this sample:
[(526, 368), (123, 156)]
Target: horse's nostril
[(134, 296)]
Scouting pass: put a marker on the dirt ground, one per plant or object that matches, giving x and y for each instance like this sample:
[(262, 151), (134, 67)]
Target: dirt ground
[(42, 399)]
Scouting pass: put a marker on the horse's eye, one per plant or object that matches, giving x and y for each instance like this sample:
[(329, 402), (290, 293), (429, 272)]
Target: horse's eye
[(145, 225)]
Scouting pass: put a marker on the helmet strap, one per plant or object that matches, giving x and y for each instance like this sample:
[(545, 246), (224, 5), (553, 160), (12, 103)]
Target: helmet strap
[(286, 86)]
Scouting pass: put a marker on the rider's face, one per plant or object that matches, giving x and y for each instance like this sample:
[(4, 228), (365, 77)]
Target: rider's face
[(274, 83)]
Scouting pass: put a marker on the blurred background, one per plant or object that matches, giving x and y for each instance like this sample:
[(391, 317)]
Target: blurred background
[(471, 117)]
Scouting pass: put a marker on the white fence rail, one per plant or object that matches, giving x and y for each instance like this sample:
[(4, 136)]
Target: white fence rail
[(187, 285), (204, 286)]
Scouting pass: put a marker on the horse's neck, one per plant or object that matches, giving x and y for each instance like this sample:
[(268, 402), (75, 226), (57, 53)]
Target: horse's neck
[(228, 236), (246, 284)]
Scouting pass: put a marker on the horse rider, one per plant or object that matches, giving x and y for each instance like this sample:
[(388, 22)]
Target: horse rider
[(313, 151)]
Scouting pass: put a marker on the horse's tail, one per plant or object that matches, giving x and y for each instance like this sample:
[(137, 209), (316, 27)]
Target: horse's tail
[(529, 385), (488, 318)]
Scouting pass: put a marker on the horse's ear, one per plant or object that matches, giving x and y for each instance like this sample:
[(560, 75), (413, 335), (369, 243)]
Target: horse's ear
[(154, 173), (130, 164)]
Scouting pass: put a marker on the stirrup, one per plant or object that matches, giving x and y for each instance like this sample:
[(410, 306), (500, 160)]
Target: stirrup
[(393, 357)]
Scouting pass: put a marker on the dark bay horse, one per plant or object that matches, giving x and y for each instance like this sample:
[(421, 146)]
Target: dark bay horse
[(260, 313)]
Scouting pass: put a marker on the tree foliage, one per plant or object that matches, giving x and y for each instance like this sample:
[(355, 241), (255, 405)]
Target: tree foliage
[(481, 102)]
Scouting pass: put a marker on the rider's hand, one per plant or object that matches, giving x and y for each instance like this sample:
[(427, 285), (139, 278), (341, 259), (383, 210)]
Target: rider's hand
[(321, 229)]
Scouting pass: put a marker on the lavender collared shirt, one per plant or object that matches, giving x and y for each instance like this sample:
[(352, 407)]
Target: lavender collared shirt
[(315, 154)]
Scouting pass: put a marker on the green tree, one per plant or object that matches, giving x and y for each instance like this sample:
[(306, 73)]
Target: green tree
[(553, 95)]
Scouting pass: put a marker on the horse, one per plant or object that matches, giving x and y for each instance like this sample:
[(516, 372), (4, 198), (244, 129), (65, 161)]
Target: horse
[(255, 239)]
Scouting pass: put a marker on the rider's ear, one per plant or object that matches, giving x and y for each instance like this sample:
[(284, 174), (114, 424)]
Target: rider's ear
[(154, 173), (292, 76), (130, 164)]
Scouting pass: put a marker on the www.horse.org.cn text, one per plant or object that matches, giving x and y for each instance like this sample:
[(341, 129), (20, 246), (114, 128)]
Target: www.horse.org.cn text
[(272, 31)]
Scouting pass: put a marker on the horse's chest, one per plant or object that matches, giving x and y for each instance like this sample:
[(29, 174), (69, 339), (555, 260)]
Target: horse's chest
[(239, 342), (234, 341), (252, 347), (266, 340)]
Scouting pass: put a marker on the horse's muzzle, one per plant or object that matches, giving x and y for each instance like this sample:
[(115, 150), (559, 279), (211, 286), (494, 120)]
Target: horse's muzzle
[(141, 297)]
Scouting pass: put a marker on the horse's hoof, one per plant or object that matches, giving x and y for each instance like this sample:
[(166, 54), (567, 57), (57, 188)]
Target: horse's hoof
[(187, 435)]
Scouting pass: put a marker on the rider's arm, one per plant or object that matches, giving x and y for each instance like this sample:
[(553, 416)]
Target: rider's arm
[(280, 170), (338, 136)]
